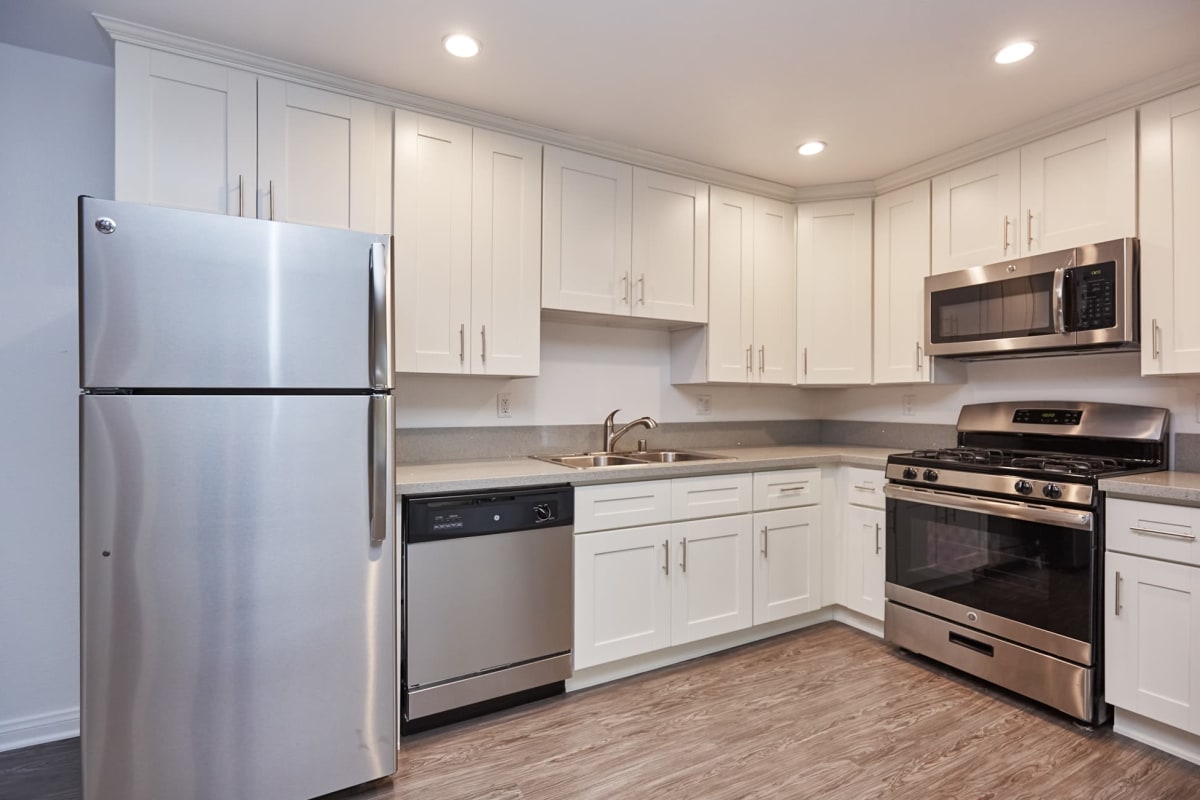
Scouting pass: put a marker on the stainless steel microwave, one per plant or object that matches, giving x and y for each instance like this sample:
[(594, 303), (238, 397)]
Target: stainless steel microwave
[(1083, 299)]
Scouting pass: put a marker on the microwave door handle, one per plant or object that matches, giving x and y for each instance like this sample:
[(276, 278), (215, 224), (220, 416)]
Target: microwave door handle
[(1060, 311)]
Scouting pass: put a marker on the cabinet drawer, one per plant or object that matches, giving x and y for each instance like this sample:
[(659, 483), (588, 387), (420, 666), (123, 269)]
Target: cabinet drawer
[(1157, 530), (710, 496), (787, 488), (864, 487), (622, 505)]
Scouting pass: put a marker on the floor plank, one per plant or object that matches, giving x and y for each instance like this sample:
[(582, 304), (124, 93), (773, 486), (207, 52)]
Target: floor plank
[(827, 712)]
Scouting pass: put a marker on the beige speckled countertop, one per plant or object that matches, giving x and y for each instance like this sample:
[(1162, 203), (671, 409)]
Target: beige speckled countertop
[(1182, 488), (465, 476)]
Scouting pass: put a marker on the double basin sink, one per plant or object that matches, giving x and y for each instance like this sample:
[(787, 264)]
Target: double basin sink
[(629, 459)]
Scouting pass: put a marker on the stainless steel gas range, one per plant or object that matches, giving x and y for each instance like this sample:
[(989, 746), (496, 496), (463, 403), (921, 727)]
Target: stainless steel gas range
[(995, 547)]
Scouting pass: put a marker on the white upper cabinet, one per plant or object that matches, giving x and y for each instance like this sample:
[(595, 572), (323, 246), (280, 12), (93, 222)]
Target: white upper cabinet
[(587, 212), (1070, 189), (318, 158), (186, 132), (833, 307), (1170, 235), (901, 266), (624, 241), (751, 331), (197, 135), (467, 214)]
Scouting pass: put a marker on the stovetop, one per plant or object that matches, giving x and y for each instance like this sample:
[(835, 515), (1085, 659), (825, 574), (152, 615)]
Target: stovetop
[(1024, 461)]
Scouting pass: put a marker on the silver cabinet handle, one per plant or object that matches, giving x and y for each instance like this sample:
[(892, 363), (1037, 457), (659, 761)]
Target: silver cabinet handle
[(1060, 310), (666, 556), (271, 200), (764, 547), (483, 343), (750, 358), (625, 288), (800, 488), (241, 195), (806, 361), (1029, 228), (920, 359), (377, 317), (642, 289), (377, 493), (1155, 338), (1189, 537), (762, 358), (876, 538), (462, 342), (1005, 251), (1117, 595), (865, 487), (683, 554)]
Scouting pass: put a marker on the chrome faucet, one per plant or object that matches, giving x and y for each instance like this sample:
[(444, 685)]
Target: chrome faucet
[(611, 436)]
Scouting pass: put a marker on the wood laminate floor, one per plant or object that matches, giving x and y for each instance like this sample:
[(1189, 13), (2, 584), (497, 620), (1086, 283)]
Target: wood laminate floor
[(827, 712)]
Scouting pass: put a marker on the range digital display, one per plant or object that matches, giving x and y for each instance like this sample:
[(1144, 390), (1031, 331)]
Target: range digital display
[(1047, 416)]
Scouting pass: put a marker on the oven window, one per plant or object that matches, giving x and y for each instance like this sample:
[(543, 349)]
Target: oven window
[(1040, 575), (997, 310)]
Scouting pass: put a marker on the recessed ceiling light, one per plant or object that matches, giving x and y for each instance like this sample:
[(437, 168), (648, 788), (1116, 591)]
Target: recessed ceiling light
[(461, 45), (810, 148), (1015, 52)]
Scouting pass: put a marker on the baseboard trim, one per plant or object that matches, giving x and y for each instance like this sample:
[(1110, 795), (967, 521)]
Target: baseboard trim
[(39, 729), (1157, 734)]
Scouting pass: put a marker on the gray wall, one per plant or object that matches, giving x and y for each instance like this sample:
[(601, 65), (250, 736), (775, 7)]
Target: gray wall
[(56, 142)]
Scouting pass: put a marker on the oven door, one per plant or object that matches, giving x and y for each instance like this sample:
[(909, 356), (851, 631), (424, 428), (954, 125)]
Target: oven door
[(1021, 572)]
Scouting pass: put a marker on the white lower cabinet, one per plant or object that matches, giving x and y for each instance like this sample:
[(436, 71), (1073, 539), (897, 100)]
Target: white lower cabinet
[(711, 578), (863, 526), (787, 563)]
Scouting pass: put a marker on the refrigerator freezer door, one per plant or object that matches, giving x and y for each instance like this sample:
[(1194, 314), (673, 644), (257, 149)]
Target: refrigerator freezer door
[(180, 299), (238, 608)]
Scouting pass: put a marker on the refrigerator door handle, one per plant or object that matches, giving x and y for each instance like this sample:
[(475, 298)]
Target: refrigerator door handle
[(377, 453), (380, 310)]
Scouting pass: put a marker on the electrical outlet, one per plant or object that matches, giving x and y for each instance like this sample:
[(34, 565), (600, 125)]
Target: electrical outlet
[(906, 404), (704, 404), (504, 405)]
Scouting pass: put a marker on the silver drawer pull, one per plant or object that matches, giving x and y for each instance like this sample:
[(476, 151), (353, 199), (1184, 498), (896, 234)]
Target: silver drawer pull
[(865, 487), (801, 488), (1191, 537)]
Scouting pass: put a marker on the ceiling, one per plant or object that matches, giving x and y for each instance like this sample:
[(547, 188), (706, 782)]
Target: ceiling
[(887, 83)]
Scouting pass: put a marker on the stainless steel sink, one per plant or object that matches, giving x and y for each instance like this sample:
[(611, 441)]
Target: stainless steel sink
[(593, 460)]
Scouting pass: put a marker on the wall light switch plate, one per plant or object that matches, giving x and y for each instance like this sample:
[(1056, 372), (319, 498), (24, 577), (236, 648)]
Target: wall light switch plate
[(906, 405)]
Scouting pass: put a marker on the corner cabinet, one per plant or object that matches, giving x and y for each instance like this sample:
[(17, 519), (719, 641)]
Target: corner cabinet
[(1070, 189), (467, 205), (833, 292), (623, 241), (751, 331), (1170, 239), (863, 525), (202, 136)]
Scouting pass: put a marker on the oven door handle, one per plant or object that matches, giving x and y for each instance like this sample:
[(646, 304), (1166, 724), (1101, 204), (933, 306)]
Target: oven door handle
[(1061, 517)]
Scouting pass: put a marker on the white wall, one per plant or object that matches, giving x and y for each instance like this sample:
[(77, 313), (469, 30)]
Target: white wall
[(56, 142), (587, 371)]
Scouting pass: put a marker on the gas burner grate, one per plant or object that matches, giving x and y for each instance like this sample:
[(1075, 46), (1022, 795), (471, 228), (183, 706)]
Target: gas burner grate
[(1072, 464), (964, 455)]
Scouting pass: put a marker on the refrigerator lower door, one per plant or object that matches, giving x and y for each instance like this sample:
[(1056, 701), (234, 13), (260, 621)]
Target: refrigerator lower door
[(238, 604)]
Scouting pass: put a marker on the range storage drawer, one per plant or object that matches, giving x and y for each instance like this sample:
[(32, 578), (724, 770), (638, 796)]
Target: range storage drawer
[(1156, 530)]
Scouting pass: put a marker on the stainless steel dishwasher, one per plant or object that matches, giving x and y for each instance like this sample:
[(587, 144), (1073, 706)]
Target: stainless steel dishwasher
[(487, 601)]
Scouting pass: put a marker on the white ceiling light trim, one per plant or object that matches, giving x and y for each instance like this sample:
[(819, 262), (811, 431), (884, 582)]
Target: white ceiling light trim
[(810, 148), (1017, 51), (461, 45)]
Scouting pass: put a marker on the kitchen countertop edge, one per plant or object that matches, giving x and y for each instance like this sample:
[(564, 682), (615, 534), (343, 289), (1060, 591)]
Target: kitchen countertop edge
[(1181, 488), (520, 471)]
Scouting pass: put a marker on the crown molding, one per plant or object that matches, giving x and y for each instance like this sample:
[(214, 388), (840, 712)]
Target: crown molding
[(835, 191), (1101, 106), (143, 35)]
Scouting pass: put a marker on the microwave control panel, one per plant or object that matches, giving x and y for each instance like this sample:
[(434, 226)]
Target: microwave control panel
[(1095, 295)]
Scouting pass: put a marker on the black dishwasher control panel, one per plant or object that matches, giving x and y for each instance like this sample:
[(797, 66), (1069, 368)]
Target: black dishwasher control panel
[(427, 518)]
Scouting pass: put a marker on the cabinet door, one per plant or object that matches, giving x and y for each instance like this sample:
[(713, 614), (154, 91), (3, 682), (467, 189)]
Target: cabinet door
[(1170, 238), (774, 336), (586, 217), (1152, 639), (506, 254), (186, 132), (317, 157), (432, 244), (901, 266), (622, 594), (975, 212), (1080, 186), (787, 563), (864, 560), (732, 225), (670, 247), (712, 587), (833, 308)]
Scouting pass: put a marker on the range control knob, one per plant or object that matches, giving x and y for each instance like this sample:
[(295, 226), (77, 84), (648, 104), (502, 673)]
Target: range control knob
[(1023, 487), (541, 512), (1052, 491), (931, 475), (909, 474)]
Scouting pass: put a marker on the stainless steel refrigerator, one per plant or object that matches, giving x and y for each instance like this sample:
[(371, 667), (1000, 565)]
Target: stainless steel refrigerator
[(237, 528)]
